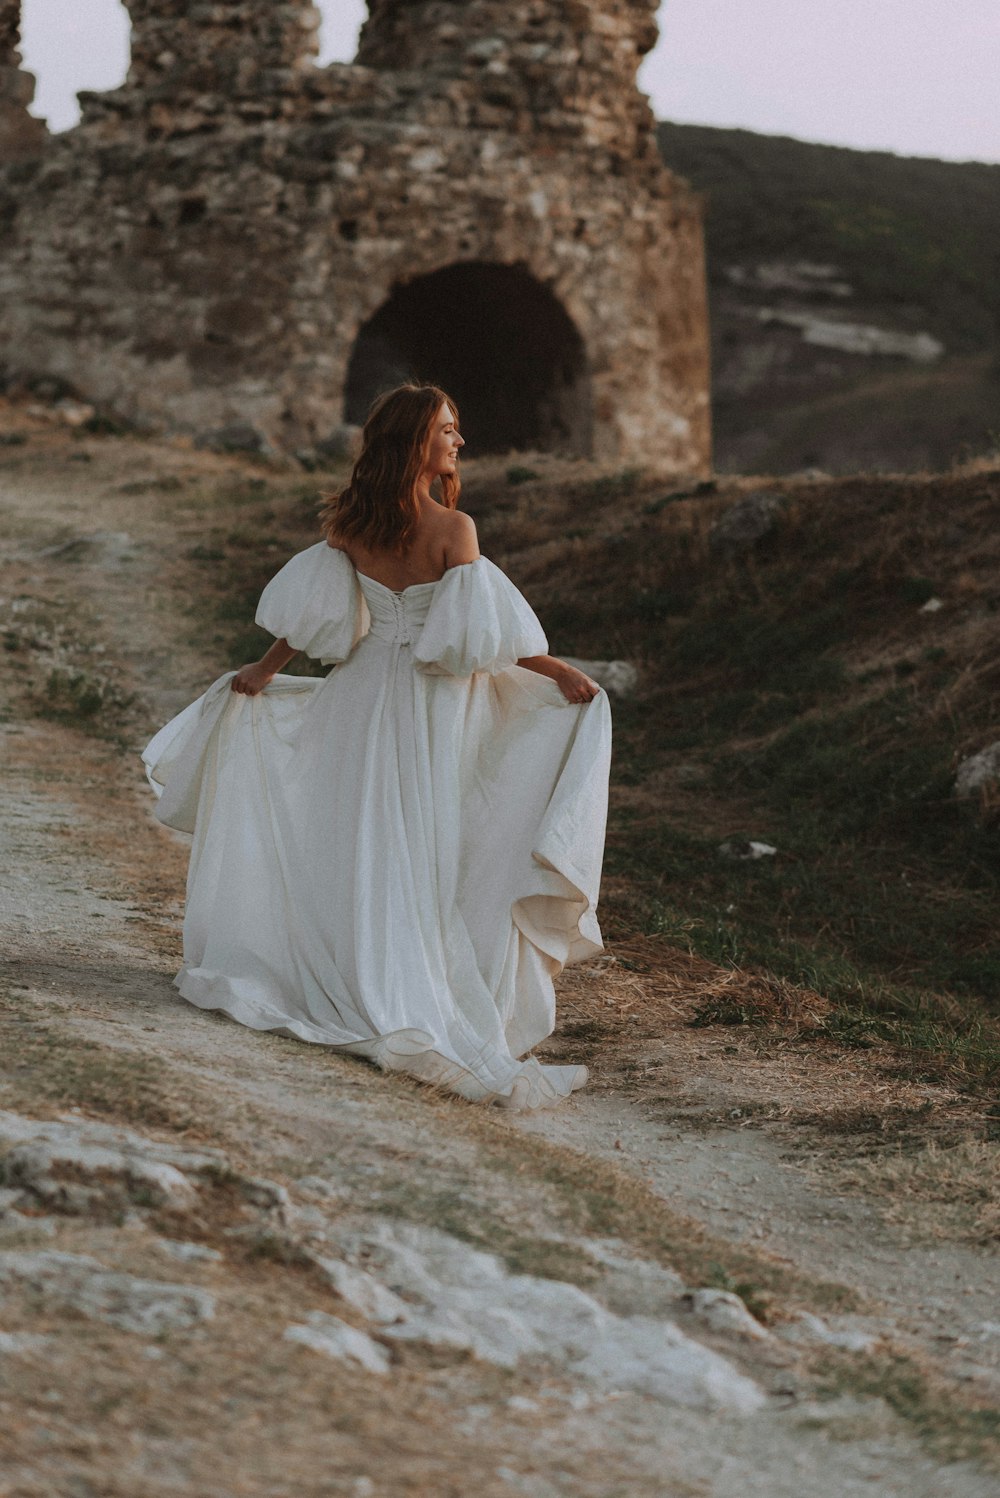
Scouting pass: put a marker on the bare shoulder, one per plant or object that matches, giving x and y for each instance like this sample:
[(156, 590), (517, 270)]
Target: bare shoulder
[(461, 540), (458, 523)]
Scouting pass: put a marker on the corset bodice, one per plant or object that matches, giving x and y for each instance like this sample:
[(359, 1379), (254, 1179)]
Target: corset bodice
[(396, 616)]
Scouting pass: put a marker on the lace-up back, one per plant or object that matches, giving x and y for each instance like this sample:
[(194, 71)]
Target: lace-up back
[(397, 615)]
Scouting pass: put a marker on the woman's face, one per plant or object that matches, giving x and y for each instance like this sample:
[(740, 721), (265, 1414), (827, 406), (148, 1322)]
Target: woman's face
[(443, 445)]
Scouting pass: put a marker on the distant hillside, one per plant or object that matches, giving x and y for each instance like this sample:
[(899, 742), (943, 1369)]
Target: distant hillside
[(803, 236), (912, 235)]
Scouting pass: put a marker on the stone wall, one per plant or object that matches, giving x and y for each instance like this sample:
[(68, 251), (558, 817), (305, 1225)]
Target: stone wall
[(20, 133), (238, 235)]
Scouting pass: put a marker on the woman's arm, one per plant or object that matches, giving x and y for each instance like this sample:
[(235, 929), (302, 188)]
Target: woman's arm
[(574, 685), (254, 678)]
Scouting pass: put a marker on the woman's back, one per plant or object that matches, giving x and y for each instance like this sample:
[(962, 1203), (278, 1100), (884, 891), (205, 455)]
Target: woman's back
[(442, 539)]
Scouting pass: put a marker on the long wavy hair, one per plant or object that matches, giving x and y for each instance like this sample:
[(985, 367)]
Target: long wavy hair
[(379, 506)]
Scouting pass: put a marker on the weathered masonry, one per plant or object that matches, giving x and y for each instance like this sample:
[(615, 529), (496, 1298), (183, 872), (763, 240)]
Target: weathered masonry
[(239, 235)]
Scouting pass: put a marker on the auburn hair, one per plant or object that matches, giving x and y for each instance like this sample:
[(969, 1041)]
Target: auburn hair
[(379, 506)]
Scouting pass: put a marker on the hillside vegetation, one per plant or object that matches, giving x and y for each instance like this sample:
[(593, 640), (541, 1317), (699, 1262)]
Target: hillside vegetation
[(905, 245), (920, 238)]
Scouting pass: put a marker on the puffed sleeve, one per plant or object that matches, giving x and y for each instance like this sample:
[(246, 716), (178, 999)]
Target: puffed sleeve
[(315, 603), (477, 621)]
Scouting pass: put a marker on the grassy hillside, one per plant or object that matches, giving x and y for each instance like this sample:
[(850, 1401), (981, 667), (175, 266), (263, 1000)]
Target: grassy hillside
[(797, 694), (919, 237), (913, 246)]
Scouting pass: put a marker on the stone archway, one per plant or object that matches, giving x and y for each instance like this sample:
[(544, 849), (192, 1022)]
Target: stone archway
[(498, 340)]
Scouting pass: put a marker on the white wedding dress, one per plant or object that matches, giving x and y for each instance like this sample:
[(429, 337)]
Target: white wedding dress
[(396, 859)]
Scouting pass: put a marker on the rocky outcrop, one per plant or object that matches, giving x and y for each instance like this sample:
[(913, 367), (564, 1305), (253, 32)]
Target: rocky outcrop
[(80, 1283), (856, 338), (978, 772), (748, 521), (404, 1283), (78, 1166), (463, 1300), (722, 1311), (336, 1339)]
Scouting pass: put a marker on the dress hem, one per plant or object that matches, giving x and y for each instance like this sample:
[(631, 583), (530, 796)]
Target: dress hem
[(533, 1084)]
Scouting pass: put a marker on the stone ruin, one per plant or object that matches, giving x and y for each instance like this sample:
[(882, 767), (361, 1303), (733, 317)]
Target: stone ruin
[(239, 236)]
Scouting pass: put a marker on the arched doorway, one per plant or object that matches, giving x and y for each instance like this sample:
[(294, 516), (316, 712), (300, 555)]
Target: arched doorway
[(498, 340)]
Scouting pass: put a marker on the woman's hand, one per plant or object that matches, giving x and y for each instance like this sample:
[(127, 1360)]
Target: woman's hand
[(574, 685), (254, 678), (251, 679)]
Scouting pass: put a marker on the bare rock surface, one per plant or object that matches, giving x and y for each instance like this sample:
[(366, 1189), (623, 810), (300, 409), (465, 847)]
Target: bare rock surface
[(68, 1164), (742, 1183), (83, 1284), (748, 521), (18, 1227), (84, 1132), (806, 1328), (722, 1311), (857, 338), (632, 1286), (364, 1292), (745, 850), (41, 1169), (16, 1344), (188, 1253), (978, 771), (466, 1300), (335, 1339)]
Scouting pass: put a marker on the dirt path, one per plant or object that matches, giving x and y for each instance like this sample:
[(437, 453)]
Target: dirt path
[(691, 1152)]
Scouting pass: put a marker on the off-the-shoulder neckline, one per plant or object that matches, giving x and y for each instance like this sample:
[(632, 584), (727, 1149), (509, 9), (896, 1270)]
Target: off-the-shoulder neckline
[(398, 592)]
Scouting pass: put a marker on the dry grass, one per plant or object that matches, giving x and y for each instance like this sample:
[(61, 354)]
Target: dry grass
[(936, 1191), (652, 987), (705, 1044), (956, 1425), (44, 1070), (736, 998)]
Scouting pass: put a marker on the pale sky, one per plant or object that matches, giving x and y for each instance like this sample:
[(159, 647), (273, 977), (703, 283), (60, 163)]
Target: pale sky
[(914, 76)]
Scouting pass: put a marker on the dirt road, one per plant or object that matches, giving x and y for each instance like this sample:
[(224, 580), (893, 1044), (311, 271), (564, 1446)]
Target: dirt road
[(695, 1161)]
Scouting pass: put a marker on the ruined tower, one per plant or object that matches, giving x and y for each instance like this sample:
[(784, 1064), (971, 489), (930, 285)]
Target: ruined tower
[(236, 234)]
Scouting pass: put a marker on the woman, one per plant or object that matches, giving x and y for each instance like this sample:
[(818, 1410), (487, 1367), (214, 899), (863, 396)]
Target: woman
[(399, 858)]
